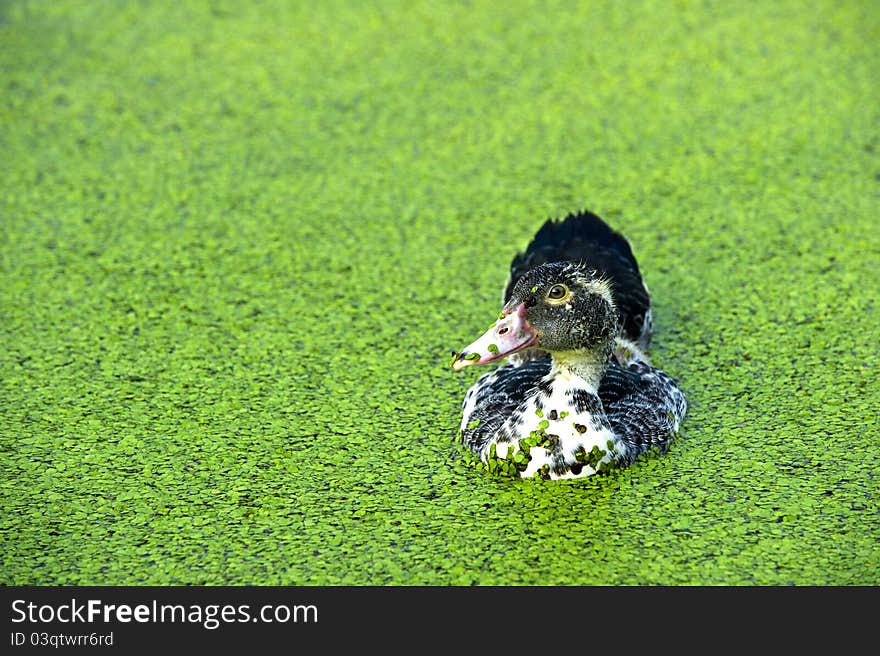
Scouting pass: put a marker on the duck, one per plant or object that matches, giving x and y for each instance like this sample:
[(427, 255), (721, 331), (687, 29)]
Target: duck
[(575, 393)]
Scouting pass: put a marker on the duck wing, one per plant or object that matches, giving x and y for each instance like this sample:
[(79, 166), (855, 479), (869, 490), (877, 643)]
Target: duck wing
[(643, 405), (586, 237), (491, 400)]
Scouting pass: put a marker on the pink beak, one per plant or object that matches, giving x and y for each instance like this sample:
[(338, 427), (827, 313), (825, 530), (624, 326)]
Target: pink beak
[(510, 334)]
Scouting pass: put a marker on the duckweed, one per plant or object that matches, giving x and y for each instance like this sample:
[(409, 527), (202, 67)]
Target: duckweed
[(513, 462), (223, 221), (590, 458)]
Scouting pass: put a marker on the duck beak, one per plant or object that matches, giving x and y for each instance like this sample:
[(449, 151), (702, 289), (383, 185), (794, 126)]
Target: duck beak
[(511, 333)]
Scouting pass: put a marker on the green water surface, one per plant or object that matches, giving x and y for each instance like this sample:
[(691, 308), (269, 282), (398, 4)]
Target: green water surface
[(240, 240)]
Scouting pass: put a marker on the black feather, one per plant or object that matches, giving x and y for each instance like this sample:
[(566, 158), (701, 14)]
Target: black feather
[(498, 395), (641, 404), (586, 238)]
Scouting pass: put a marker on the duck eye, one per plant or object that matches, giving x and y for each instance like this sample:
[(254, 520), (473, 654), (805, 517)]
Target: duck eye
[(557, 292)]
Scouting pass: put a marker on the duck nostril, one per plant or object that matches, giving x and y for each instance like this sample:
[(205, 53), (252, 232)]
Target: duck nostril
[(503, 330)]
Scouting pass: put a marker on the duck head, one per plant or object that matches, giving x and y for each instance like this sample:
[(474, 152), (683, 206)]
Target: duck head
[(561, 307)]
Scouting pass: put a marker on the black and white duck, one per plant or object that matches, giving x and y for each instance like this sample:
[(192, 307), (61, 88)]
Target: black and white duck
[(578, 394)]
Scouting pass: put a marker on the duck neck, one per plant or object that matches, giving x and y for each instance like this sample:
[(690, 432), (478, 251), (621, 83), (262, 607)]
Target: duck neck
[(589, 366)]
